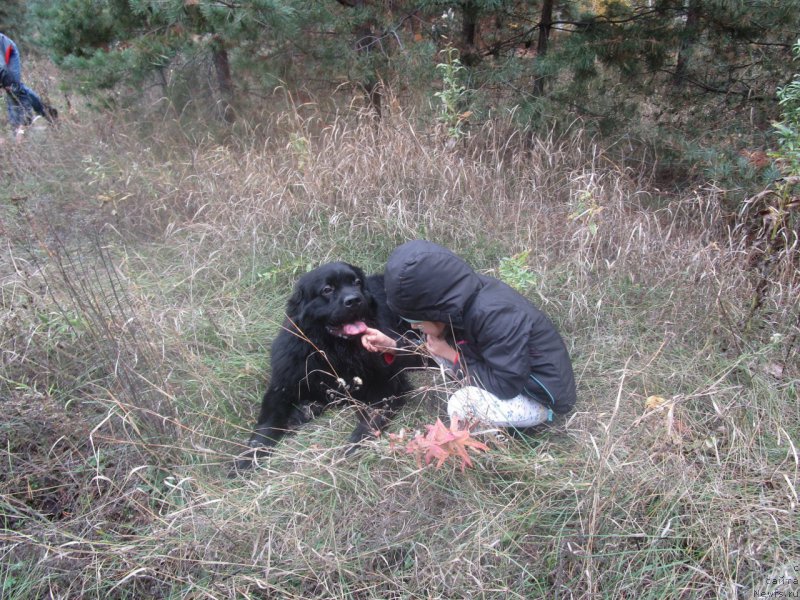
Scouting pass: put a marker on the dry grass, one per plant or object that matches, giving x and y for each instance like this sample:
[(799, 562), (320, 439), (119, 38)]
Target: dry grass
[(143, 278)]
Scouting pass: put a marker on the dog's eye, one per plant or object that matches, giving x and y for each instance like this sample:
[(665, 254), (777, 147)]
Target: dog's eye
[(327, 290), (357, 282)]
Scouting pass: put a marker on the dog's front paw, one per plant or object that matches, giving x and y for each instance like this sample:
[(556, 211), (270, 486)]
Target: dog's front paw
[(241, 464), (247, 460), (362, 432)]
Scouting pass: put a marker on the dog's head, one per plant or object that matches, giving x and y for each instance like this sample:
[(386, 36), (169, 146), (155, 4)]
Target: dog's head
[(332, 297)]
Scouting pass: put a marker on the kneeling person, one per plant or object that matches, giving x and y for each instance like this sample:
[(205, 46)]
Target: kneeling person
[(513, 363)]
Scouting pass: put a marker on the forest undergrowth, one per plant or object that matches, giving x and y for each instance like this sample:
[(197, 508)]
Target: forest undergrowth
[(143, 274)]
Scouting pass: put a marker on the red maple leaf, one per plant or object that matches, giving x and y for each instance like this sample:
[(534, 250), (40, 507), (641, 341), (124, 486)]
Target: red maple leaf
[(442, 442)]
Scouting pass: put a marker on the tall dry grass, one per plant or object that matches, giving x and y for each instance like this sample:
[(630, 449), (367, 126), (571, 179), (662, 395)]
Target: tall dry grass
[(144, 276)]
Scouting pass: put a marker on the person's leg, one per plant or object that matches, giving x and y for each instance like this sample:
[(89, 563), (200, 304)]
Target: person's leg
[(33, 101), (473, 403), (17, 115), (27, 101), (17, 110)]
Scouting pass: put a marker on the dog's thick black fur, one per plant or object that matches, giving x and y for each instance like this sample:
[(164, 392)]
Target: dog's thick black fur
[(317, 358)]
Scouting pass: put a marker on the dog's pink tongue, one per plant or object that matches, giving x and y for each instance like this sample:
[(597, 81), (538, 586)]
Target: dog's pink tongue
[(356, 328)]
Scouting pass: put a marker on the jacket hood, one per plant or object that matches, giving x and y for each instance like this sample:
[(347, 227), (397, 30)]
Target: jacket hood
[(426, 282)]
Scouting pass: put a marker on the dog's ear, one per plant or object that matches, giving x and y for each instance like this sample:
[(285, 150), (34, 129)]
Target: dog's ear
[(366, 285), (294, 306), (360, 274)]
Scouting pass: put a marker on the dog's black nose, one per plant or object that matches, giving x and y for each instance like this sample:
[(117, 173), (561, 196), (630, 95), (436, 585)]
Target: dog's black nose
[(352, 300)]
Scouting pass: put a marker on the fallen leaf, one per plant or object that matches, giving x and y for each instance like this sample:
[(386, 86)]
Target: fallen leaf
[(441, 442), (653, 402), (774, 369)]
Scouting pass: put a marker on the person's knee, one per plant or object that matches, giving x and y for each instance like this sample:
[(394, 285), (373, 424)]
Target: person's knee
[(462, 403)]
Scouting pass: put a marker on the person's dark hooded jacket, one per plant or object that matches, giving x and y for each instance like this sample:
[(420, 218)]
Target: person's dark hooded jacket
[(506, 345)]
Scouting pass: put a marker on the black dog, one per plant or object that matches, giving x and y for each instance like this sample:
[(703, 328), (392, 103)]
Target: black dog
[(317, 358)]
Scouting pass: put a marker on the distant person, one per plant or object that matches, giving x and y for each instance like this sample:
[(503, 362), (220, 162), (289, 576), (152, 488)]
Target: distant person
[(513, 364), (22, 102)]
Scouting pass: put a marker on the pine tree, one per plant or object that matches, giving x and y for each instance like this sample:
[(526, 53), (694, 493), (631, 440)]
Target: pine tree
[(693, 64), (109, 44)]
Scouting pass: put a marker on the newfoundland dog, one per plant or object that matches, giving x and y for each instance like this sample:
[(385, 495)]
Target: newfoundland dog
[(317, 358)]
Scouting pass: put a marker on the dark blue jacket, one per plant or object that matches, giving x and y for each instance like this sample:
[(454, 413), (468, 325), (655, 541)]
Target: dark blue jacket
[(506, 345)]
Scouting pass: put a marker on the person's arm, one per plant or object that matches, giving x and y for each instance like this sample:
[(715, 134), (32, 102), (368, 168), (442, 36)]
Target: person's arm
[(377, 341), (499, 359), (9, 50), (402, 349)]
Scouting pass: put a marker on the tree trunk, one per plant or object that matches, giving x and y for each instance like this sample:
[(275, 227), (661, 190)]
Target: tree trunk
[(469, 24), (368, 43), (690, 33), (545, 26), (222, 67), (469, 33)]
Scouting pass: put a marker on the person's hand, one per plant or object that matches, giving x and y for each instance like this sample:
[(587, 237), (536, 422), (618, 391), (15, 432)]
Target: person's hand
[(439, 347), (7, 81), (377, 341)]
